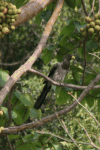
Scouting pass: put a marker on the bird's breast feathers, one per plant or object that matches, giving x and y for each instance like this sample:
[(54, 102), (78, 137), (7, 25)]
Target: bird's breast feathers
[(59, 74)]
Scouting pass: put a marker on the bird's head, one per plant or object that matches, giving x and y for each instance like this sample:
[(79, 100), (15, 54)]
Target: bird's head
[(69, 57)]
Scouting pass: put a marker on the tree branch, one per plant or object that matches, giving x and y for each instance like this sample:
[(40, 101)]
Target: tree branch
[(61, 138), (85, 62), (59, 83), (38, 50), (31, 9), (84, 8)]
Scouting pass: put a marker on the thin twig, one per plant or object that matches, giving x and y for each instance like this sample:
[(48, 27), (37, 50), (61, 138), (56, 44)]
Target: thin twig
[(92, 10), (92, 69), (16, 63), (65, 128), (88, 135), (60, 84), (10, 146), (59, 137), (84, 8), (94, 55), (99, 7), (9, 106), (85, 109), (85, 62)]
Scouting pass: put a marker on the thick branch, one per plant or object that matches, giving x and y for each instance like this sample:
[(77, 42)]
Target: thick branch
[(24, 68), (31, 9)]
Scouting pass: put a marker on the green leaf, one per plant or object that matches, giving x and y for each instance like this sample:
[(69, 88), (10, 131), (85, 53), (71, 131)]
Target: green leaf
[(12, 137), (4, 76), (89, 57), (96, 68), (14, 115), (38, 19), (23, 99), (23, 111), (20, 3), (80, 51), (68, 30), (50, 47), (46, 56), (59, 57), (88, 78), (70, 46), (90, 101), (57, 147), (45, 15), (63, 41), (39, 114), (24, 146), (2, 120), (5, 110), (57, 91), (33, 113), (29, 98), (62, 50), (43, 138), (78, 76), (62, 96), (71, 3), (91, 44), (33, 146), (76, 68), (38, 144), (28, 137), (18, 120), (50, 6), (95, 92), (71, 81), (77, 25), (78, 2)]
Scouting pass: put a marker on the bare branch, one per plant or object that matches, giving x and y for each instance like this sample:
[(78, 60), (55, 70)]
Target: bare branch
[(65, 128), (92, 69), (84, 8), (94, 55), (16, 63), (92, 10), (60, 84), (88, 136), (10, 146), (99, 7), (85, 62), (9, 106), (64, 139), (86, 110)]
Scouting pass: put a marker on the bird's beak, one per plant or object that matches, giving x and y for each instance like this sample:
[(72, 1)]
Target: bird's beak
[(73, 57)]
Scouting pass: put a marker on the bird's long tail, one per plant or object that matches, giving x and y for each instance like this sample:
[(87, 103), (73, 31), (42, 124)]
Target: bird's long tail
[(42, 96)]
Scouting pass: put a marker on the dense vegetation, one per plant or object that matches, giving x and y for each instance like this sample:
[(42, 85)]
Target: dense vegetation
[(71, 130)]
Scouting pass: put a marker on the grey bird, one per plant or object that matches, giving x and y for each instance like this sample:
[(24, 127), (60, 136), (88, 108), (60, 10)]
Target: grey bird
[(57, 73)]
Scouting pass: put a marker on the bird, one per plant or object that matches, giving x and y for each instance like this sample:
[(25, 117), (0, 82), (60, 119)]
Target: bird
[(57, 73)]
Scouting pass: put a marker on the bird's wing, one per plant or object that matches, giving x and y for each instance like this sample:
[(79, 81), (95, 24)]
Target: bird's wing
[(52, 71)]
